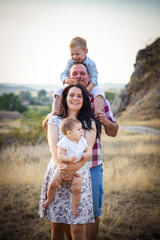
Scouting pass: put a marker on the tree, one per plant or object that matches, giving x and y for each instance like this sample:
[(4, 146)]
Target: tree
[(11, 102), (41, 94), (25, 96)]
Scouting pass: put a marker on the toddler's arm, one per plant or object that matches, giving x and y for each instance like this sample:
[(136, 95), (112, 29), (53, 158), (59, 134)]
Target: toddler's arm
[(62, 156), (90, 86), (56, 100), (56, 105), (65, 73)]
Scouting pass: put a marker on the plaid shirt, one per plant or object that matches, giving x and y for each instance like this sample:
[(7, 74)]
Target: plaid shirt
[(96, 157)]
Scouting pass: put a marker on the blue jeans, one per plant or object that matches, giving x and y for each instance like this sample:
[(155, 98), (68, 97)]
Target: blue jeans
[(97, 189)]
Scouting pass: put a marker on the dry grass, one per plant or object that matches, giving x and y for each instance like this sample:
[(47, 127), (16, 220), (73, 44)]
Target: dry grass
[(24, 164), (131, 189), (131, 207), (21, 175), (154, 123)]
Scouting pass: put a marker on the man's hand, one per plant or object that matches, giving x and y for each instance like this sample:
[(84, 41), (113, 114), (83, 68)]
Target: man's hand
[(101, 116), (111, 128)]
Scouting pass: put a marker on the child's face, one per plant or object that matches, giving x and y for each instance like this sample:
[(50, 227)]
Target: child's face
[(78, 54), (76, 132)]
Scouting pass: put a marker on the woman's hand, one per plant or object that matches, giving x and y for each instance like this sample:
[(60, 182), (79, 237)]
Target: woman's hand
[(68, 171)]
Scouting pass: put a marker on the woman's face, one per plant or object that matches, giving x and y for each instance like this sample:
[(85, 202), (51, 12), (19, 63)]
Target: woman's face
[(74, 99)]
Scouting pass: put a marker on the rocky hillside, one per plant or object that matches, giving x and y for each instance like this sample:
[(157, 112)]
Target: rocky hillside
[(140, 99)]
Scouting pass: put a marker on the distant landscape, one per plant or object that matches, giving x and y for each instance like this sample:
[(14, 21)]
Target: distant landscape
[(15, 88)]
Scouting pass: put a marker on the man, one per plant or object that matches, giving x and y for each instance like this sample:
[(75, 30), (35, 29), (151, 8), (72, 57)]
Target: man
[(79, 74)]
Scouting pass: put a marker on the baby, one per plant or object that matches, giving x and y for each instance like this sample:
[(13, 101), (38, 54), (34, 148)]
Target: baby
[(79, 50), (72, 147)]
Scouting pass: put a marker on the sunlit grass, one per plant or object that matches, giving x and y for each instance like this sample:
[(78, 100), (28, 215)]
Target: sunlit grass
[(24, 164)]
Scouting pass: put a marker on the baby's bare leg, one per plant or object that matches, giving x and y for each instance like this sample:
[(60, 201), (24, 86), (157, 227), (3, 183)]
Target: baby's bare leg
[(98, 104), (54, 184), (76, 193)]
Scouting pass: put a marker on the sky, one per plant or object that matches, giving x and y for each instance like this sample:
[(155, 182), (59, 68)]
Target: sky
[(35, 37)]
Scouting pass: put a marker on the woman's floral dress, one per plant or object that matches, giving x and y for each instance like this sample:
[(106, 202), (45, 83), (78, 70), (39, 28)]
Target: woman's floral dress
[(60, 209)]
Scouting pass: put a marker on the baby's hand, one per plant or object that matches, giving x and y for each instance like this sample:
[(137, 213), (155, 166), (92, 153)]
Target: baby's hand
[(71, 81), (72, 159)]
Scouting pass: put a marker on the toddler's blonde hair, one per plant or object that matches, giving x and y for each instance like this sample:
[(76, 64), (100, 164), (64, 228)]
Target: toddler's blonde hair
[(78, 41)]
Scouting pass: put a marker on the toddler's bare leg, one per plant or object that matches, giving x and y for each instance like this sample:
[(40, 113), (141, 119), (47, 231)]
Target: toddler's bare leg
[(98, 104), (76, 193), (54, 184)]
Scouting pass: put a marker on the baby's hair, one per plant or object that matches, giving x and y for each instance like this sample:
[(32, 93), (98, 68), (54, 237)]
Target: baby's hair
[(68, 124), (78, 41)]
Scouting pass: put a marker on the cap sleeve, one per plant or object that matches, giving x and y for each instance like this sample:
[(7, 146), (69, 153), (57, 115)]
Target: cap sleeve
[(54, 120)]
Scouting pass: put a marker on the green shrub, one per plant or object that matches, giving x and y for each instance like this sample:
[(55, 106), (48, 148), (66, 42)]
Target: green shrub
[(11, 102), (110, 95), (30, 130)]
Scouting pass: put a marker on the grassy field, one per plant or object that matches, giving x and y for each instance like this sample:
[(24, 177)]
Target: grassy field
[(154, 123), (131, 207)]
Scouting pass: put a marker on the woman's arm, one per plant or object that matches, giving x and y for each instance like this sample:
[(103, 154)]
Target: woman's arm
[(52, 135), (87, 152), (70, 170)]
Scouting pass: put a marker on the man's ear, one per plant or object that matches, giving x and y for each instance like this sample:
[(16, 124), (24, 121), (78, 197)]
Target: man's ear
[(86, 51)]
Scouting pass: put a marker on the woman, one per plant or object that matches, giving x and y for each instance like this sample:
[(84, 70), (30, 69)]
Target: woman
[(75, 103)]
